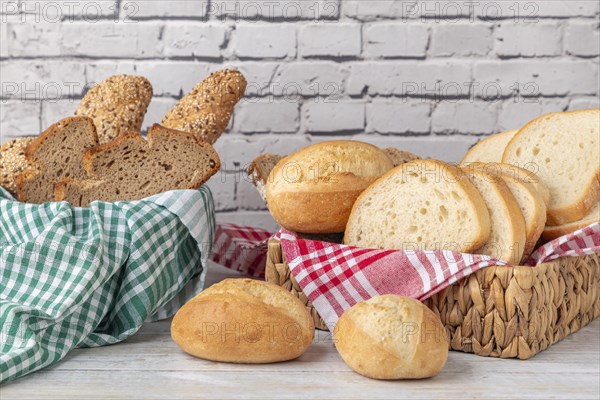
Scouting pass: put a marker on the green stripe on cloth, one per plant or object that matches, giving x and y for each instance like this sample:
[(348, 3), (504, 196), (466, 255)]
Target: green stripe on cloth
[(84, 277)]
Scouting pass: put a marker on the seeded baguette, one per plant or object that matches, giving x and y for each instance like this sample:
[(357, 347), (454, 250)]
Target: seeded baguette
[(489, 149), (207, 109), (13, 162), (117, 105), (55, 155), (420, 205), (566, 149), (131, 168)]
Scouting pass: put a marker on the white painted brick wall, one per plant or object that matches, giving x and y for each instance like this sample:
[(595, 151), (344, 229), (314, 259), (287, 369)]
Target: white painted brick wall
[(429, 77)]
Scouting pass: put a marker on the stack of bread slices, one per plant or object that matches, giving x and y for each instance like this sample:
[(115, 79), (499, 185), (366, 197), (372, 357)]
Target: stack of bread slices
[(100, 154)]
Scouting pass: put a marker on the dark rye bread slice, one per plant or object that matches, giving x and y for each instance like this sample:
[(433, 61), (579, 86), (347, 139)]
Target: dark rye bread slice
[(55, 155), (207, 109), (131, 168), (117, 105), (13, 162)]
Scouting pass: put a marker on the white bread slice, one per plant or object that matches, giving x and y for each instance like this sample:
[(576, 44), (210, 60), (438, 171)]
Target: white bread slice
[(565, 147), (507, 236), (552, 232), (420, 205), (489, 149)]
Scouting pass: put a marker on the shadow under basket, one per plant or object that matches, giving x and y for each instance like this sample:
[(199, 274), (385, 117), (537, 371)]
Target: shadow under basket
[(508, 312)]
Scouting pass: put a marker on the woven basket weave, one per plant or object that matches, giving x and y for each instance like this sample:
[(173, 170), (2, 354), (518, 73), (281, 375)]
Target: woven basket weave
[(498, 311)]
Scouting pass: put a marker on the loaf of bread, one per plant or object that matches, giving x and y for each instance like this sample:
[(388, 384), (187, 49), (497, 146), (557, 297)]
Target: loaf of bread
[(553, 232), (420, 205), (117, 105), (392, 337), (13, 162), (207, 109), (55, 155), (313, 190), (565, 149), (489, 149), (131, 168), (243, 321), (400, 157), (507, 236)]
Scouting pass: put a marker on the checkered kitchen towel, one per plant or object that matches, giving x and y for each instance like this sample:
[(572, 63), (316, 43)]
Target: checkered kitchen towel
[(83, 277), (334, 277)]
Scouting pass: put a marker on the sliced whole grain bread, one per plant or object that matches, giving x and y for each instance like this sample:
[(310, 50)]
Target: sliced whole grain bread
[(55, 155), (131, 168), (553, 232), (420, 205), (400, 156), (207, 109), (565, 148), (489, 149), (117, 105), (507, 236), (13, 162)]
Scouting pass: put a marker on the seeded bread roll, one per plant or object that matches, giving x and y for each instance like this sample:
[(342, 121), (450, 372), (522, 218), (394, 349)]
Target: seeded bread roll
[(243, 321), (392, 337), (13, 162), (207, 109), (55, 155), (313, 190), (117, 105), (420, 205), (131, 168)]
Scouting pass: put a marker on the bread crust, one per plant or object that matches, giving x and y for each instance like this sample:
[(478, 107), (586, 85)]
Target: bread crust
[(581, 206), (13, 162), (553, 232)]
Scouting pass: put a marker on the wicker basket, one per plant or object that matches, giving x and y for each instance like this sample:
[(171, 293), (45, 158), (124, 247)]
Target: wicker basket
[(499, 311)]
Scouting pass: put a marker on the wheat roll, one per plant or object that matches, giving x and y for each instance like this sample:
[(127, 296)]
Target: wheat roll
[(392, 337), (313, 190), (243, 321)]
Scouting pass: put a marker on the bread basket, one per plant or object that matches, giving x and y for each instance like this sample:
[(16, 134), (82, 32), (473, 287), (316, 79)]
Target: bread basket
[(508, 312)]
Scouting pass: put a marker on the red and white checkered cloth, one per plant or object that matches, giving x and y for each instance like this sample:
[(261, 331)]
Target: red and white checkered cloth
[(335, 277)]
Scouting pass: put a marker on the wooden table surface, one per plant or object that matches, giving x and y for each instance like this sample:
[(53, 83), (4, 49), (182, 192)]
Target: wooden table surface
[(150, 366)]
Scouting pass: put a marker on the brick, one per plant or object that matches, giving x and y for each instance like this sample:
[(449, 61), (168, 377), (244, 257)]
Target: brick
[(407, 78), (464, 117), (309, 79), (259, 41), (330, 40), (514, 115), (32, 40), (45, 79), (583, 103), (156, 110), (376, 9), (97, 71), (531, 12), (274, 10), (258, 219), (464, 39), (264, 116), (527, 40), (53, 111), (36, 11), (248, 198), (342, 116), (111, 39), (409, 41), (4, 34), (172, 78), (223, 187), (538, 77), (143, 9), (398, 117), (582, 39), (563, 9), (19, 118), (193, 39)]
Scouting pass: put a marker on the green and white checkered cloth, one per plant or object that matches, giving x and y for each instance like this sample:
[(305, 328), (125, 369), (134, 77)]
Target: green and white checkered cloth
[(83, 277)]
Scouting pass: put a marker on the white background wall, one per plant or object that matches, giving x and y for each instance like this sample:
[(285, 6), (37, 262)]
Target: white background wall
[(431, 77)]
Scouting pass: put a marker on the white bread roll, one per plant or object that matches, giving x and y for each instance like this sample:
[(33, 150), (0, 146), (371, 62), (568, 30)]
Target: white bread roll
[(243, 321), (313, 190), (392, 337)]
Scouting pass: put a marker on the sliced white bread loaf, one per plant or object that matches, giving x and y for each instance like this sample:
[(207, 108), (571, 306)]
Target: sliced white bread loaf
[(489, 149), (553, 232), (420, 205), (565, 148), (507, 235)]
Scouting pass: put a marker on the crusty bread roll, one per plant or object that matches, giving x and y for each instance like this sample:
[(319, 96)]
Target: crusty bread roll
[(392, 337), (313, 190), (243, 321)]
